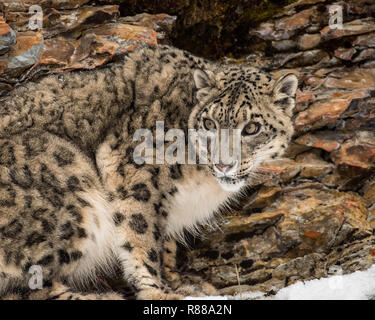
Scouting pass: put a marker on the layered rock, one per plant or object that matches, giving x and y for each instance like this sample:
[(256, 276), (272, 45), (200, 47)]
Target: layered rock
[(313, 213), (73, 36), (306, 216), (281, 229)]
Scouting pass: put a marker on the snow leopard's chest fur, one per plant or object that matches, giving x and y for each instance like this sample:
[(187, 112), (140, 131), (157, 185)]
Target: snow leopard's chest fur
[(197, 199)]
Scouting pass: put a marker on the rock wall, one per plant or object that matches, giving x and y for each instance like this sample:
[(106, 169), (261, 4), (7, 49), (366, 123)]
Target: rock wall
[(313, 213), (307, 216)]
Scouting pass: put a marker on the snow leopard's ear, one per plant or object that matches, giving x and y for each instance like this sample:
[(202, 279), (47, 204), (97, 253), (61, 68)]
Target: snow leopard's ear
[(284, 92), (204, 81)]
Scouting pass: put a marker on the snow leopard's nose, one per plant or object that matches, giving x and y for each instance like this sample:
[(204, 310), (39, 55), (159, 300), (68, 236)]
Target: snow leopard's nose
[(226, 168)]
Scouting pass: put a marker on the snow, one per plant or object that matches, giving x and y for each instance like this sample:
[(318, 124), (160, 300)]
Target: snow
[(359, 285)]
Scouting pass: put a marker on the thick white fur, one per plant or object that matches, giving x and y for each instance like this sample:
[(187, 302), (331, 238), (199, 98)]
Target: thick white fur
[(195, 203), (100, 247)]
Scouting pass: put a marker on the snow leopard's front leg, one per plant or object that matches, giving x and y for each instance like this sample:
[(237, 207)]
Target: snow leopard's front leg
[(187, 285), (139, 217), (139, 243)]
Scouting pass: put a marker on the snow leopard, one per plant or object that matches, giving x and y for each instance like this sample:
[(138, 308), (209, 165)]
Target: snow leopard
[(74, 203)]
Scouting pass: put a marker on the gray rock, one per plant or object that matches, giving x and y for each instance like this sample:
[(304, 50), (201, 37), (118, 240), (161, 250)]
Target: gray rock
[(26, 58), (7, 40)]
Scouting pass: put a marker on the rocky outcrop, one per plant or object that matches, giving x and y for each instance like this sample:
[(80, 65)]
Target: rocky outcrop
[(308, 215), (286, 234), (312, 214), (77, 34), (73, 36)]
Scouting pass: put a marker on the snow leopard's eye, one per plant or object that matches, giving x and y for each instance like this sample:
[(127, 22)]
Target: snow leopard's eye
[(209, 124), (251, 128)]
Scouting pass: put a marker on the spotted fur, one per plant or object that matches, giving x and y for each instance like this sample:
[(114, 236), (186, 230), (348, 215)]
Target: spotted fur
[(72, 199)]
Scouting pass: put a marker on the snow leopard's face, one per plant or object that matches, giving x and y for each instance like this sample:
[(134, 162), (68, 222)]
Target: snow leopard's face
[(259, 108)]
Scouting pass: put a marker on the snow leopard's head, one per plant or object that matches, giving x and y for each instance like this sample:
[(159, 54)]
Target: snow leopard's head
[(250, 101)]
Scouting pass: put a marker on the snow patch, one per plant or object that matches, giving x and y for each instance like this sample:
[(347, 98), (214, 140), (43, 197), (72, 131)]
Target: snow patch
[(359, 285)]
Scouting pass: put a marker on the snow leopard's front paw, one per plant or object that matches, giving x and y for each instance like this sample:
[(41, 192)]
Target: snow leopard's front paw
[(208, 289), (157, 294), (197, 290)]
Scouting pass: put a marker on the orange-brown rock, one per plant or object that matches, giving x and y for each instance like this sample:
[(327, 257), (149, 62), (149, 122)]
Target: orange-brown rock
[(24, 5), (4, 27), (351, 79), (315, 211), (303, 99), (162, 23), (344, 53), (367, 40), (326, 112), (309, 41), (369, 193), (278, 170), (60, 21), (295, 22), (261, 198), (365, 55), (105, 42), (313, 166), (358, 152), (95, 47), (336, 180), (355, 27), (371, 220), (302, 3), (326, 140), (302, 221)]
